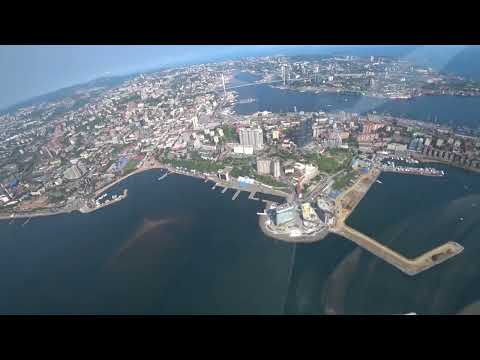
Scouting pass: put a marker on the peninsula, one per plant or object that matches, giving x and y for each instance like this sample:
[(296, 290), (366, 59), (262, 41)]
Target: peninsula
[(65, 155)]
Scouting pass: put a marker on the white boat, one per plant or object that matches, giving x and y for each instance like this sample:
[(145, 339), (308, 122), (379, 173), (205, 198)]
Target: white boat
[(378, 181)]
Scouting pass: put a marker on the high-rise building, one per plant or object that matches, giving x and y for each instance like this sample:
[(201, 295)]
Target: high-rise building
[(263, 166), (195, 122), (276, 169), (252, 137)]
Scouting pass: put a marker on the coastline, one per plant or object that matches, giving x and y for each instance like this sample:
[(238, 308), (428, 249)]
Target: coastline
[(68, 211), (358, 93), (158, 166)]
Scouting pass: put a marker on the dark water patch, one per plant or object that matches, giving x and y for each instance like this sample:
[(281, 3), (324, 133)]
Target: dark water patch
[(313, 264), (269, 197), (336, 286)]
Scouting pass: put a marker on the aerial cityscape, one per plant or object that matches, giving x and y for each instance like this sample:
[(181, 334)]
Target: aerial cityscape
[(307, 169)]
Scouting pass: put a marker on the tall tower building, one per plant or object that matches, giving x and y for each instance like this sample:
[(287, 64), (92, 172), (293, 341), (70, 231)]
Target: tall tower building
[(263, 166), (223, 84), (195, 122), (276, 170), (253, 137)]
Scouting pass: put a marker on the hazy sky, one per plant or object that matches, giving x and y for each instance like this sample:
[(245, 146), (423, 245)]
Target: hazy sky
[(29, 71)]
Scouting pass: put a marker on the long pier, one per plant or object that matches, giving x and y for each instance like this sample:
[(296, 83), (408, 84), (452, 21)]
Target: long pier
[(408, 266), (347, 202)]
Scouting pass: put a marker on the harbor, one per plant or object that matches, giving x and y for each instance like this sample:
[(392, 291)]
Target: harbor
[(427, 171), (345, 203)]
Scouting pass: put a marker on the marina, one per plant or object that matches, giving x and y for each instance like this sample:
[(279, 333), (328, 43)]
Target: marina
[(391, 167)]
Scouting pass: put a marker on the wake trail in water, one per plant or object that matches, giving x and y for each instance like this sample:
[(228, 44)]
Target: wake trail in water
[(289, 279)]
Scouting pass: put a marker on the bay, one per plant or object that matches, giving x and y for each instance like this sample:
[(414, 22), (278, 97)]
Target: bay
[(455, 111)]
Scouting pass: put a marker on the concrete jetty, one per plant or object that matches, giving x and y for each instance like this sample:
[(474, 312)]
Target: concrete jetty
[(347, 202), (252, 196), (236, 194), (408, 266)]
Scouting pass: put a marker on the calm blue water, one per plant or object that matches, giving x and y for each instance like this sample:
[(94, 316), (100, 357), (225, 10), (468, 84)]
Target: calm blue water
[(172, 247), (178, 247), (449, 110)]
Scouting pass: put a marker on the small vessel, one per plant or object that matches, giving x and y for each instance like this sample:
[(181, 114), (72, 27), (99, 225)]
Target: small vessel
[(461, 219), (378, 181)]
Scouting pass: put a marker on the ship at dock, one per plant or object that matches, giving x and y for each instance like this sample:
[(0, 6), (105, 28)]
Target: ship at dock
[(247, 101)]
